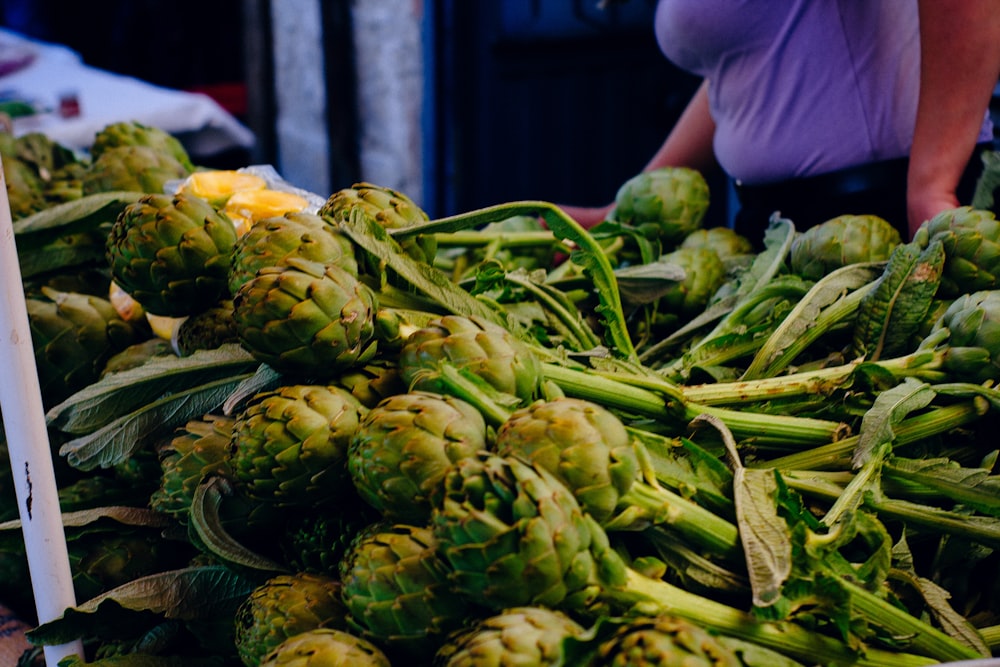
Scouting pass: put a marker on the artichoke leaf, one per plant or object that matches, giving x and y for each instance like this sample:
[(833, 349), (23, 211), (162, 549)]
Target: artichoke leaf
[(207, 527), (891, 314), (80, 215), (975, 488), (805, 322), (374, 238), (187, 594), (115, 442), (645, 283), (117, 394), (767, 544)]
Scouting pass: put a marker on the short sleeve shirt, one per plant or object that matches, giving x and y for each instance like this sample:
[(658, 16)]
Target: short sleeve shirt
[(800, 87)]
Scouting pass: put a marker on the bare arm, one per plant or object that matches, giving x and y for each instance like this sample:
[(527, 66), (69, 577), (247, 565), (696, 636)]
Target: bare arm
[(959, 67), (689, 144)]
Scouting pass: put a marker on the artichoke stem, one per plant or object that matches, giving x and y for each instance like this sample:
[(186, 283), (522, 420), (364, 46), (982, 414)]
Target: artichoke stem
[(654, 596)]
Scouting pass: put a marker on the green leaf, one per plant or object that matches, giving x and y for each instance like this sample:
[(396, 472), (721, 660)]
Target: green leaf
[(890, 315), (805, 323), (974, 488), (79, 215), (118, 394), (645, 283), (188, 594), (372, 237), (115, 442), (208, 528)]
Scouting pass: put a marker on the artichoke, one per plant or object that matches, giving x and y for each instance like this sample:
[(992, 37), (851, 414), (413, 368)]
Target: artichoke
[(206, 330), (397, 588), (402, 447), (725, 241), (389, 208), (171, 254), (199, 449), (25, 190), (473, 346), (131, 169), (499, 520), (317, 541), (846, 239), (704, 274), (326, 647), (271, 241), (663, 641), (665, 204), (289, 446), (307, 319), (526, 636), (132, 133), (589, 450), (583, 444), (372, 382), (971, 240), (972, 328), (284, 606), (74, 336)]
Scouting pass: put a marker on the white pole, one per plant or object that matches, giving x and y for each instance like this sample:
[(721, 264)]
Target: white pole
[(29, 448)]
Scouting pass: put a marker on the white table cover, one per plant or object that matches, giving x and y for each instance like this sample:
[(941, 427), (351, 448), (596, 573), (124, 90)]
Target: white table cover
[(104, 97)]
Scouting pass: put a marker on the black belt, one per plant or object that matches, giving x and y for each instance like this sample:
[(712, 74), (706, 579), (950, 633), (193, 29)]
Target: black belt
[(886, 176)]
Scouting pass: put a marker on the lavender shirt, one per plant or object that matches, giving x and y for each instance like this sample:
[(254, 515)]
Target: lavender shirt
[(801, 87)]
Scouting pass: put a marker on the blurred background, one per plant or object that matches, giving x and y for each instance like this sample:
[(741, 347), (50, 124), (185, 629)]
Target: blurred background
[(458, 104)]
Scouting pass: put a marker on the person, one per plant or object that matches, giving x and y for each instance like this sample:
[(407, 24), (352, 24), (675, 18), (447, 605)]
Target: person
[(817, 108)]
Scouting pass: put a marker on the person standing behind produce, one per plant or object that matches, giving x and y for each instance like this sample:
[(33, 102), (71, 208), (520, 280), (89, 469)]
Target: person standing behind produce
[(817, 108)]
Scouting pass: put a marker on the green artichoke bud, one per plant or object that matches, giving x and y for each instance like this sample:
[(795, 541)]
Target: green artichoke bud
[(389, 208), (74, 336), (971, 240), (372, 382), (105, 559), (66, 184), (131, 169), (171, 254), (526, 636), (289, 446), (305, 319), (474, 346), (25, 190), (198, 450), (666, 204), (846, 239), (282, 607), (206, 330), (515, 536), (326, 647), (583, 444), (43, 153), (317, 541), (973, 341), (131, 133), (403, 446), (704, 274), (271, 241), (725, 241), (663, 641), (397, 588)]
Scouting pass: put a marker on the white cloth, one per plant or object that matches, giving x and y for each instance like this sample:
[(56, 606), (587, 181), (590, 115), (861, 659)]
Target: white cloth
[(104, 98)]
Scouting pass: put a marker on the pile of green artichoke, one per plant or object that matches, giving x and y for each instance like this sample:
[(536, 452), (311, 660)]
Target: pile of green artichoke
[(498, 438)]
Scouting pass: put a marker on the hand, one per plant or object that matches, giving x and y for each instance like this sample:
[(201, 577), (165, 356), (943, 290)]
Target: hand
[(924, 204), (588, 216)]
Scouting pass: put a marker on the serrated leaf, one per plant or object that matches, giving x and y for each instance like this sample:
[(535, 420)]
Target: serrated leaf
[(973, 487), (889, 408), (118, 394), (79, 215), (645, 283), (891, 314), (188, 594), (374, 238), (129, 516), (115, 442)]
